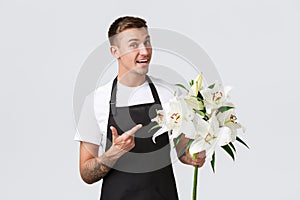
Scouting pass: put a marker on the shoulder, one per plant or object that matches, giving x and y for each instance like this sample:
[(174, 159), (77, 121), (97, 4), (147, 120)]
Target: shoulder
[(161, 83), (101, 96), (103, 92), (104, 88), (165, 89)]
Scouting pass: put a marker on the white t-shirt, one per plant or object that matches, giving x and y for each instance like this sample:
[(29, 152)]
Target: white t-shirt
[(92, 125)]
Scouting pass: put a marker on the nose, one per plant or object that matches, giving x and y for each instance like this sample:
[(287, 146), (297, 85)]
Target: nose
[(144, 50)]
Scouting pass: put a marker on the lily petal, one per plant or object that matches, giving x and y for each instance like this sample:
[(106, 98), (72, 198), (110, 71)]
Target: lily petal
[(158, 133), (227, 90), (201, 126), (224, 136), (197, 146), (189, 130)]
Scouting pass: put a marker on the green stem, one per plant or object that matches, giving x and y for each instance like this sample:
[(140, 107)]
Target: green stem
[(195, 183)]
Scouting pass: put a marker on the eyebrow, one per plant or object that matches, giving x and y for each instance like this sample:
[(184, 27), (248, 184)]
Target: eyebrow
[(135, 39)]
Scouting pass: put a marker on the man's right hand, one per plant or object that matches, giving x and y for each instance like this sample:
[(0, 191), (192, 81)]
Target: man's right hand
[(122, 143), (92, 167)]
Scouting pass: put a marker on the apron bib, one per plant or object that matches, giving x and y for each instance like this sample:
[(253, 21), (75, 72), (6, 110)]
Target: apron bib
[(145, 172)]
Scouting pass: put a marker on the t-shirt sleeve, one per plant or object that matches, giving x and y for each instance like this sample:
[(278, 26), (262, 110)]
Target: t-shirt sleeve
[(87, 128)]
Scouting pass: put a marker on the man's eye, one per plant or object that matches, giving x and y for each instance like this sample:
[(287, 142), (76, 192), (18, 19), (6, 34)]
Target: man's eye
[(147, 43), (134, 45)]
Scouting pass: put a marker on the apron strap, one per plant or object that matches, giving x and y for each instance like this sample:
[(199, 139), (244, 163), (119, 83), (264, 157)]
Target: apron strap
[(113, 97), (153, 91), (112, 101)]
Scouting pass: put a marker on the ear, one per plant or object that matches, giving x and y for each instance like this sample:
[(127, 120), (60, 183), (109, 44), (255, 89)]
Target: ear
[(114, 50)]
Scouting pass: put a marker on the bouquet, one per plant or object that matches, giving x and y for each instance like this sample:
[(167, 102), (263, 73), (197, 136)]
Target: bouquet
[(205, 116)]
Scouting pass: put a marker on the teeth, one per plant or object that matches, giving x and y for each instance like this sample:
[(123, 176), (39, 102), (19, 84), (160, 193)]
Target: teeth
[(141, 61)]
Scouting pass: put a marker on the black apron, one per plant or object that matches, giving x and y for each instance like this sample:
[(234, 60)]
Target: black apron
[(145, 172)]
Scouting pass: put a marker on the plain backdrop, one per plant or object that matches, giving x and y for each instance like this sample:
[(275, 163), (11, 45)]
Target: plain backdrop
[(253, 43)]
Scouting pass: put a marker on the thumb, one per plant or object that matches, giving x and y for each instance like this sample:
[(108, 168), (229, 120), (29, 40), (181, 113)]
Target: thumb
[(202, 154), (114, 132)]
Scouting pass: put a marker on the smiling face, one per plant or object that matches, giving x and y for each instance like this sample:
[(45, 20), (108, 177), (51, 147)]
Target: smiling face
[(133, 50)]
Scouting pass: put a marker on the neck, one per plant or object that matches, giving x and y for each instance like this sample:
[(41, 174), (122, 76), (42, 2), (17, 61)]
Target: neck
[(132, 79)]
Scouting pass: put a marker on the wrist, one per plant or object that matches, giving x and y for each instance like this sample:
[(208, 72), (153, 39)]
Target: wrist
[(108, 158), (112, 154)]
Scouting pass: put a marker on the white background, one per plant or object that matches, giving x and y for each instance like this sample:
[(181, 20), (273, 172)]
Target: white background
[(255, 47)]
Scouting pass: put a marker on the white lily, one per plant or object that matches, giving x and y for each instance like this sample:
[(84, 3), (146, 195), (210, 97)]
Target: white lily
[(193, 102), (197, 85), (207, 136), (214, 96), (160, 117), (228, 119), (177, 116)]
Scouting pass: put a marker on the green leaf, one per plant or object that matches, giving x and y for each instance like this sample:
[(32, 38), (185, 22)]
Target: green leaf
[(212, 162), (199, 98), (199, 95), (178, 140), (224, 108), (189, 144), (241, 141), (154, 127), (186, 148), (200, 113), (182, 86), (191, 82), (228, 150), (232, 146), (211, 86)]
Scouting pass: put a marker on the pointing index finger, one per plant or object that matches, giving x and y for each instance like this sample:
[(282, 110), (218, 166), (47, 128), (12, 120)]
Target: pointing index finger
[(132, 131)]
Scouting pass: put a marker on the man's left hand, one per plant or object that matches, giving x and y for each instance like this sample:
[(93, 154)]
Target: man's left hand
[(198, 161)]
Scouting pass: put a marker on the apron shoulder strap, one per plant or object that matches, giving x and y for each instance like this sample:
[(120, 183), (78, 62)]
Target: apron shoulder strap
[(112, 101), (153, 90)]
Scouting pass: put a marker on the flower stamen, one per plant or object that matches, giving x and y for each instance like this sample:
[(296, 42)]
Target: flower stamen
[(175, 117), (209, 138), (217, 96)]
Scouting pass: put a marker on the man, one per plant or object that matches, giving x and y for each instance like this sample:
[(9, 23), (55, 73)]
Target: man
[(131, 165)]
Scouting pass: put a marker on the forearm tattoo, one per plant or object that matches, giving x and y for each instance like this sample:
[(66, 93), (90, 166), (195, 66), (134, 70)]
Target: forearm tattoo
[(95, 169)]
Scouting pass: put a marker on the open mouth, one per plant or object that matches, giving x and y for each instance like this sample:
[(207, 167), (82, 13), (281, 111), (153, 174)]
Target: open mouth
[(142, 61)]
